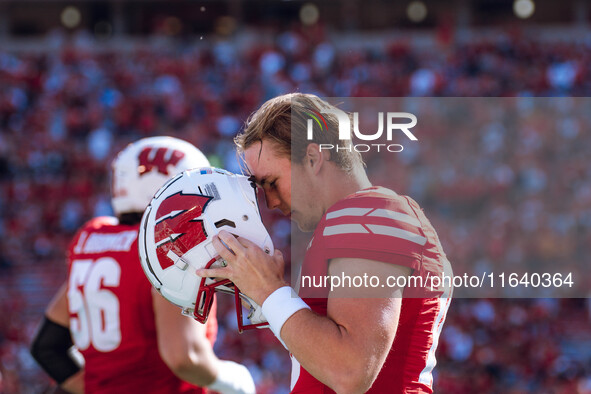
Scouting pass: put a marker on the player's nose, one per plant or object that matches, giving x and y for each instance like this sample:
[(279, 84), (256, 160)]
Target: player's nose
[(272, 200)]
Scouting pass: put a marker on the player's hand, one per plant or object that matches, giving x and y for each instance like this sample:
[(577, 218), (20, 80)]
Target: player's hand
[(233, 378), (253, 271)]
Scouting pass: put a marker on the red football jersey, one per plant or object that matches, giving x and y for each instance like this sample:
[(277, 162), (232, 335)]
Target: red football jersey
[(111, 314), (378, 224)]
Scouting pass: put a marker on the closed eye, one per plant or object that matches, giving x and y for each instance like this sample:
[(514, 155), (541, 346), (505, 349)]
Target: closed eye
[(253, 182)]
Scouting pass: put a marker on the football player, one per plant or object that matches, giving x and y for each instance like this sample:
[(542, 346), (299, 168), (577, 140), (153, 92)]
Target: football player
[(131, 339), (350, 340)]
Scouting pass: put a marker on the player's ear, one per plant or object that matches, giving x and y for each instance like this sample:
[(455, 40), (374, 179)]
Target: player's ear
[(315, 158)]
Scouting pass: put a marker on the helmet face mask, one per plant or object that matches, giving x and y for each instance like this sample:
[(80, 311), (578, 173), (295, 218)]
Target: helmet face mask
[(207, 289), (176, 237)]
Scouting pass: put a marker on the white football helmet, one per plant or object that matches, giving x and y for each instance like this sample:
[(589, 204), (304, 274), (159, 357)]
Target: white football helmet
[(143, 166), (176, 238)]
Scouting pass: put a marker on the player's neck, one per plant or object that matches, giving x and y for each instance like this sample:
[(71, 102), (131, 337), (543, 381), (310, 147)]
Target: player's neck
[(343, 184)]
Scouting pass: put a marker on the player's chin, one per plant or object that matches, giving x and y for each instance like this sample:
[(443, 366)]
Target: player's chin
[(303, 225)]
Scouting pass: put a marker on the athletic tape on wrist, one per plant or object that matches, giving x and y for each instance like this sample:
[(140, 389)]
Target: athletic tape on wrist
[(279, 307)]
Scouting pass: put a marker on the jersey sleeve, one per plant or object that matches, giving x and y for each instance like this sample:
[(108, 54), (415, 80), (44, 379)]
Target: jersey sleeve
[(375, 228)]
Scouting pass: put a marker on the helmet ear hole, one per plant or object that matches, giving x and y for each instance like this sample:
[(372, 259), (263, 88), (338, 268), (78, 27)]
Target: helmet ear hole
[(225, 222)]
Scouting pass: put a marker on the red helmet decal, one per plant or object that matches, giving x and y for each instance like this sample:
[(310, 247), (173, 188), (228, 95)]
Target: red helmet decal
[(148, 160), (178, 228)]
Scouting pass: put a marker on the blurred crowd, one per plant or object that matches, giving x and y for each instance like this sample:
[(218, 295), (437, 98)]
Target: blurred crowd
[(506, 183), (499, 197)]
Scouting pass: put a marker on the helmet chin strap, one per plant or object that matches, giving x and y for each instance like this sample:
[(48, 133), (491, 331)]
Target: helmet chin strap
[(255, 314), (255, 311), (179, 261)]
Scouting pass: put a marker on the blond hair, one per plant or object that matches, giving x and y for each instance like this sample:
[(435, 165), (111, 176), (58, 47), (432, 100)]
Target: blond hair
[(283, 120)]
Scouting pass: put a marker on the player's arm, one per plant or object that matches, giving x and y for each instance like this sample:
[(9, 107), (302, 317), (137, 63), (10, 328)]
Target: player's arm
[(182, 344), (347, 348), (185, 349), (51, 345)]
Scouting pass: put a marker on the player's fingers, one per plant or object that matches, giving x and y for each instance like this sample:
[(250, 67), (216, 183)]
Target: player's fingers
[(277, 254), (246, 243), (213, 273), (278, 258), (231, 241), (223, 249)]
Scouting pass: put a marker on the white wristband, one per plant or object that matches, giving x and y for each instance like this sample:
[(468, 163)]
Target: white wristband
[(279, 307)]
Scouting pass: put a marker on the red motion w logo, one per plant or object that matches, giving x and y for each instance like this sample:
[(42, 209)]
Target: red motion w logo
[(177, 217), (160, 159)]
